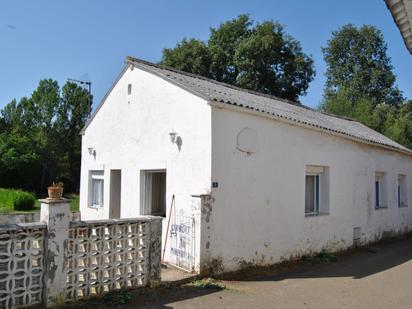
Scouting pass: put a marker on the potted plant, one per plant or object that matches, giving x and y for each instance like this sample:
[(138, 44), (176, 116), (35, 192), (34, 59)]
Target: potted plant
[(55, 191)]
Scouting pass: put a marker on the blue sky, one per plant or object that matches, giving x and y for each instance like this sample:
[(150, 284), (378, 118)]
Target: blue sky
[(75, 39)]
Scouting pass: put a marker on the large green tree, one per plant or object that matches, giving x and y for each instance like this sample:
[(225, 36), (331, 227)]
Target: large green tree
[(40, 141), (255, 56), (361, 84), (358, 66)]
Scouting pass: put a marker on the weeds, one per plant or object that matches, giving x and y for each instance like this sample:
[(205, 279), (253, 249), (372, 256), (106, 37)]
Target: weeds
[(118, 297), (321, 257), (209, 283)]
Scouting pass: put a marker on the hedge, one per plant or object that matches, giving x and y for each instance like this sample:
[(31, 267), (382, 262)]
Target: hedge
[(11, 199)]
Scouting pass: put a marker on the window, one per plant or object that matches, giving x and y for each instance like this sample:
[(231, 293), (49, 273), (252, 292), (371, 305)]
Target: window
[(316, 190), (96, 189), (402, 191), (129, 89), (312, 194), (380, 190)]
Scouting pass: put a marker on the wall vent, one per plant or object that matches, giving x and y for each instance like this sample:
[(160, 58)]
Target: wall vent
[(356, 235)]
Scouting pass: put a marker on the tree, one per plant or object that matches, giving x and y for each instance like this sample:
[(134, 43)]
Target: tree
[(360, 83), (358, 65), (18, 161), (40, 139), (259, 57), (222, 46), (399, 125), (190, 56), (72, 114)]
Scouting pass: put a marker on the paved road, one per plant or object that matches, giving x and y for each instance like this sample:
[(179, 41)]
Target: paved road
[(359, 280)]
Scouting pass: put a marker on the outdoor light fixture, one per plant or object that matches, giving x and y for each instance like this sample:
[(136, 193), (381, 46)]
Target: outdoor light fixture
[(92, 151), (173, 135)]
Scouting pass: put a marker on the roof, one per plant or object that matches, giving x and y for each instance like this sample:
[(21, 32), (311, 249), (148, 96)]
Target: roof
[(266, 105), (273, 107), (402, 15)]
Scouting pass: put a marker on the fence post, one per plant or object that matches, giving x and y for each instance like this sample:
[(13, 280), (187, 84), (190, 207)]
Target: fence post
[(155, 249), (55, 213)]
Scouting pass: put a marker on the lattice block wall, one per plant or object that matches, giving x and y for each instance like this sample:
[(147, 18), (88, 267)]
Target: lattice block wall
[(105, 256), (21, 265)]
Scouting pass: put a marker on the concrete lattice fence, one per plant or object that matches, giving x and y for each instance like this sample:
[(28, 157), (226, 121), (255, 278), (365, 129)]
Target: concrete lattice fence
[(21, 264), (59, 259)]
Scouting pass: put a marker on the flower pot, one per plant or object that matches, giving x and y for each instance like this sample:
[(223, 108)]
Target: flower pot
[(55, 192)]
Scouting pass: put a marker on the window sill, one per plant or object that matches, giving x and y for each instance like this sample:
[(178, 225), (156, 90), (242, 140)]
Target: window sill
[(402, 206), (381, 207), (96, 207), (307, 215)]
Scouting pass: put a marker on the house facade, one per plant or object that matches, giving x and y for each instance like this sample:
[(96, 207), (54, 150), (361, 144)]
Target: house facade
[(241, 178)]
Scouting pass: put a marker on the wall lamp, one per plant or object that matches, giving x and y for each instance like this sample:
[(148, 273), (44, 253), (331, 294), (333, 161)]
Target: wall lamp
[(92, 151), (173, 136)]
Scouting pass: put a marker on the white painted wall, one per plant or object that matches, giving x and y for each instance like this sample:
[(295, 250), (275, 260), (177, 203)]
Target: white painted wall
[(132, 134), (258, 211)]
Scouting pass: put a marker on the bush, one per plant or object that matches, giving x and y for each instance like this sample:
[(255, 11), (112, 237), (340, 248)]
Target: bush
[(11, 199), (24, 201)]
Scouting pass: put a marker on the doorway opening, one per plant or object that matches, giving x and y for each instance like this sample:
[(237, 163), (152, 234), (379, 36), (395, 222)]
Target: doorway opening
[(153, 191), (115, 193)]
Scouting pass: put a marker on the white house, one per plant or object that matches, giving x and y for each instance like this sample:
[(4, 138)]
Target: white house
[(241, 178)]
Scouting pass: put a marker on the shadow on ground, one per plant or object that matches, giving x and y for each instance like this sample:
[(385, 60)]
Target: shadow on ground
[(144, 298), (356, 264)]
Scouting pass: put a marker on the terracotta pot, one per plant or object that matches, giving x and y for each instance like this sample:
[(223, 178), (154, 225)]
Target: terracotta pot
[(55, 192)]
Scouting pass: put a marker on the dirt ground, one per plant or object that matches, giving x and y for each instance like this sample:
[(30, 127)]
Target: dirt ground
[(378, 278)]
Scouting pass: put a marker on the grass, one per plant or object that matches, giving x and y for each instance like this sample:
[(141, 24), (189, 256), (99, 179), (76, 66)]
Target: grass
[(16, 200), (209, 283), (120, 297), (7, 197), (74, 203)]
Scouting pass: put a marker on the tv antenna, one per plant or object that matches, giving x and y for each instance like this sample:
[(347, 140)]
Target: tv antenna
[(89, 89)]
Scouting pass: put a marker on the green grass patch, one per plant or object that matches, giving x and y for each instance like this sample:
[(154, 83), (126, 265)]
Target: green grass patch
[(208, 283), (16, 200), (74, 202)]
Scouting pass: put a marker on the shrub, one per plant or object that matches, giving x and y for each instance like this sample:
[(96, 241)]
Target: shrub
[(11, 199), (24, 201)]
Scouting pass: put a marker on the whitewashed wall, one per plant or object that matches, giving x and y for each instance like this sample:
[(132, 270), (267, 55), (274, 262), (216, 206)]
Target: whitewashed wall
[(132, 134), (257, 215)]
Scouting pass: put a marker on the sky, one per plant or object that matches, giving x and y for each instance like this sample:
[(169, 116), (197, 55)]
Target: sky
[(90, 39)]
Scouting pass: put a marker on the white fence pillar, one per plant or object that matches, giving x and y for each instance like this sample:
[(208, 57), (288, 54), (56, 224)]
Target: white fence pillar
[(155, 247), (55, 213)]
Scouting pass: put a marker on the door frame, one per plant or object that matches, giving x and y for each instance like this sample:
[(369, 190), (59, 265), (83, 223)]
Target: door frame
[(146, 189), (114, 173)]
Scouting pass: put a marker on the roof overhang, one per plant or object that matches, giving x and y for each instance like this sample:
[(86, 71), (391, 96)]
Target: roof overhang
[(402, 15)]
